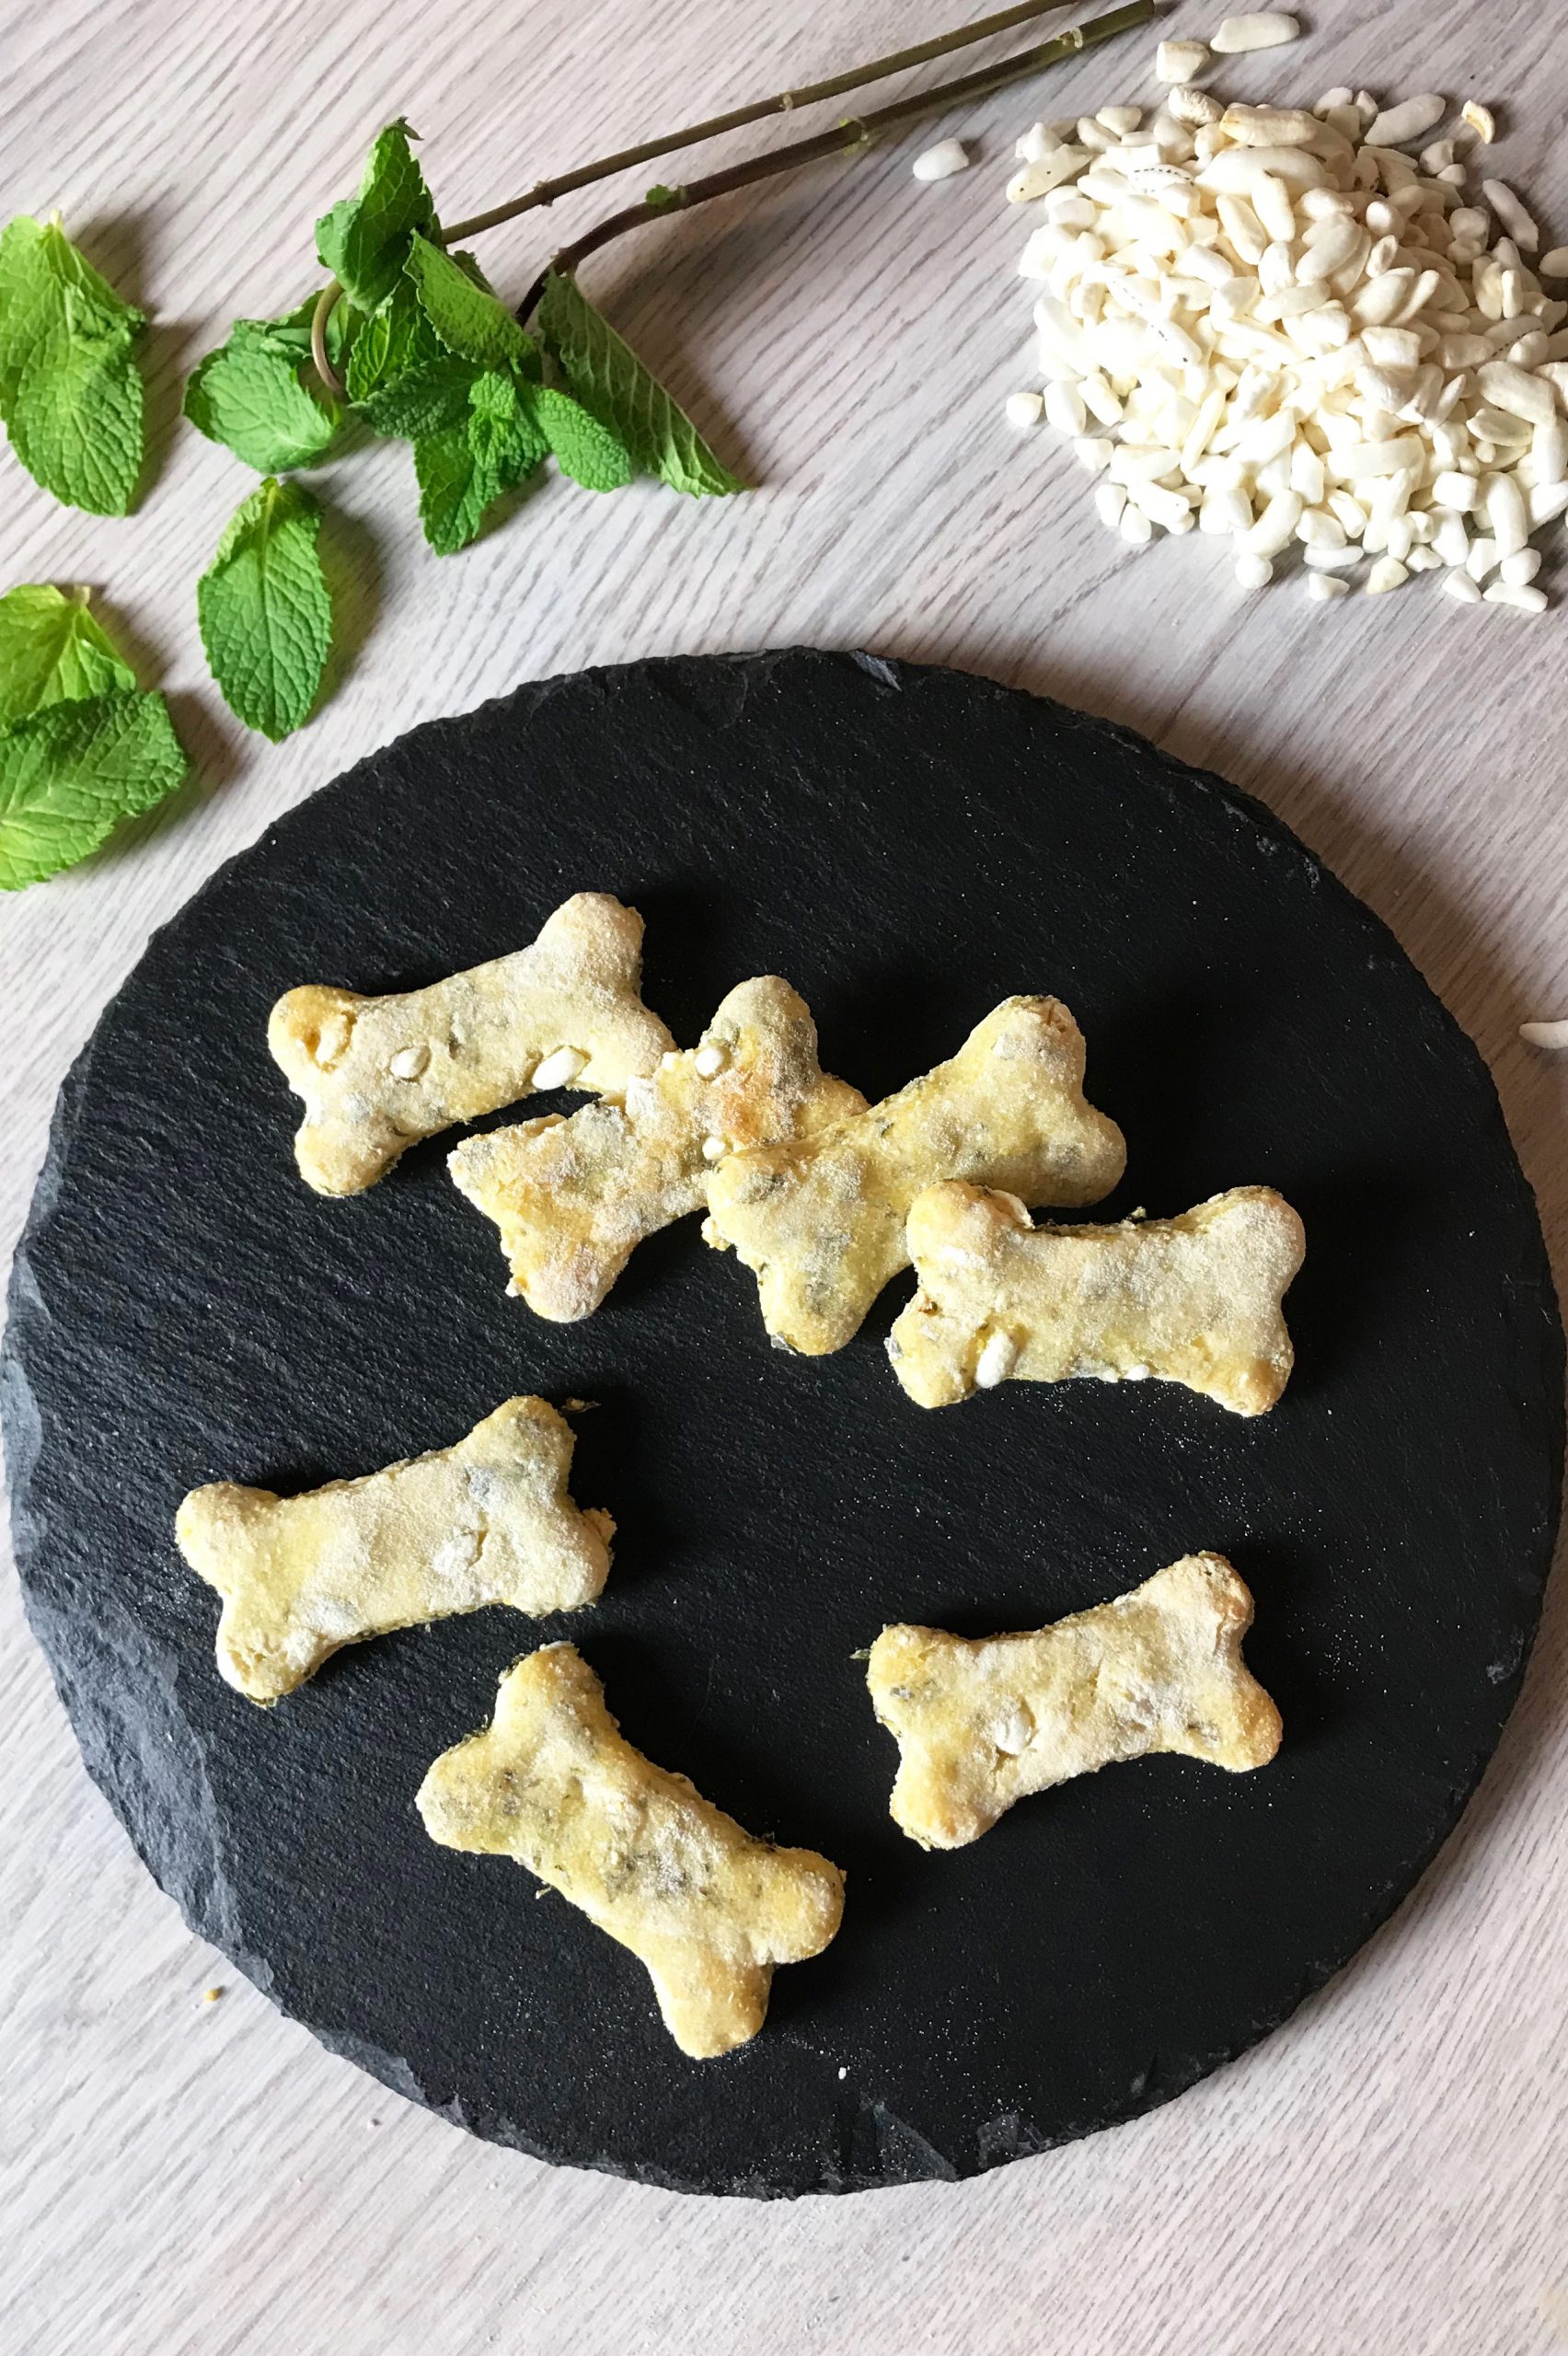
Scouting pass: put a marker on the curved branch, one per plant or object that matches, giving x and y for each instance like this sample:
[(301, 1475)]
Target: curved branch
[(326, 303)]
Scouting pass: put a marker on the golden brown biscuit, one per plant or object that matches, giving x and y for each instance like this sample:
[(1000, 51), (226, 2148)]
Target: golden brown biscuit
[(1194, 1300), (709, 1910), (487, 1521), (982, 1723), (573, 1198), (821, 1221), (377, 1073)]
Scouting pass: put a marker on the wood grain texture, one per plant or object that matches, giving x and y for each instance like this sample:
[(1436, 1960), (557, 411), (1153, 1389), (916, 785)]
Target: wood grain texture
[(1391, 2170)]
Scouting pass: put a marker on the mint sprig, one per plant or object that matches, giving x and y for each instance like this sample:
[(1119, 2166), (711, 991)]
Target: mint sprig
[(422, 348), (410, 340), (266, 612), (70, 388)]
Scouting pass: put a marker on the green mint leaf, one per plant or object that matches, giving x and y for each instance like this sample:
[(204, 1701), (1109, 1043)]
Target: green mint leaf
[(69, 773), (363, 241), (43, 277), (610, 380), (392, 341), (455, 490), (396, 341), (343, 323), (583, 448), (423, 400), (70, 390), (289, 336), (265, 611), (251, 396), (661, 199), (502, 428), (76, 424), (468, 318), (52, 650), (465, 471), (367, 358)]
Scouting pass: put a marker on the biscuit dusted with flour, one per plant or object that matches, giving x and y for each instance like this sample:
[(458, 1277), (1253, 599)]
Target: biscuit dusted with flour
[(572, 1198), (1194, 1299), (377, 1073), (487, 1521), (821, 1221), (981, 1724), (709, 1910)]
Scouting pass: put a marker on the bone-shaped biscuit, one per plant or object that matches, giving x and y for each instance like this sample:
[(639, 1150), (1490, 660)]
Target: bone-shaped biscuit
[(573, 1197), (1194, 1300), (377, 1073), (709, 1908), (487, 1521), (821, 1221), (982, 1723)]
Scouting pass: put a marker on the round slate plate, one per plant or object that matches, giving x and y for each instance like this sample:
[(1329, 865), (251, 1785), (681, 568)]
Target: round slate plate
[(908, 847)]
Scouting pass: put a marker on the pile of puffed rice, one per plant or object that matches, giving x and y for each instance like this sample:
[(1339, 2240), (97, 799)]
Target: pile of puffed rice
[(1278, 325)]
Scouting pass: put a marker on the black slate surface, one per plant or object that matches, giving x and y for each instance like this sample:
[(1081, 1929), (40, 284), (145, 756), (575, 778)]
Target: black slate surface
[(907, 847)]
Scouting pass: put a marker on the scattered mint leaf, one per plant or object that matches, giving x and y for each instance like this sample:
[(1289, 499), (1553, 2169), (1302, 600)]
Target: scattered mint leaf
[(69, 773), (661, 199), (422, 402), (252, 396), (610, 380), (70, 390), (265, 611), (468, 318), (79, 747), (465, 471), (52, 650), (76, 422), (363, 241), (40, 273), (583, 448)]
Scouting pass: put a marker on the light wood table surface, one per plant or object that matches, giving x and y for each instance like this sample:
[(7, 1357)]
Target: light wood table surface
[(1388, 2172)]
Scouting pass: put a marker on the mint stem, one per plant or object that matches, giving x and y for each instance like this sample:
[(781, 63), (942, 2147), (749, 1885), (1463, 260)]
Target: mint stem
[(900, 60), (326, 303), (848, 137)]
